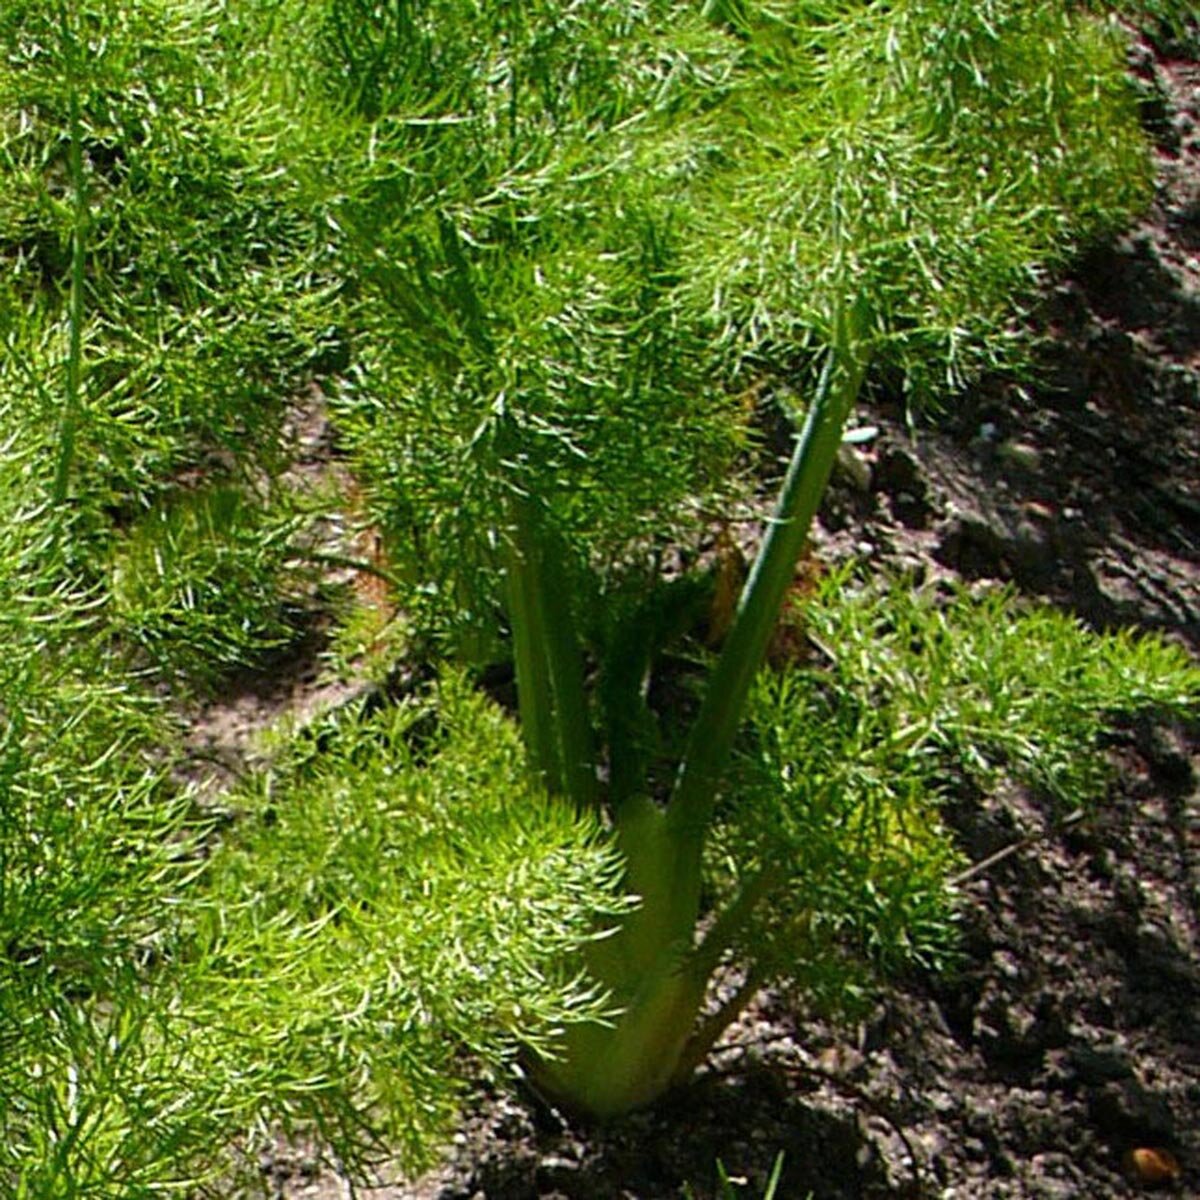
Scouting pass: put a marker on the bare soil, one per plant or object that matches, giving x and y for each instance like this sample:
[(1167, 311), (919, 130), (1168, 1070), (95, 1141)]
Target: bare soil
[(1065, 1050)]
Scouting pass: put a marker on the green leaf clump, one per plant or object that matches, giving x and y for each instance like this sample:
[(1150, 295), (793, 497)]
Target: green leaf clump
[(138, 137), (176, 988), (199, 583), (578, 255), (913, 701)]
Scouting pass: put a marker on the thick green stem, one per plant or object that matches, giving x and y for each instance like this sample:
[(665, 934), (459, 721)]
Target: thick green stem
[(711, 1028), (572, 725), (535, 696), (655, 1042), (71, 410), (655, 970), (549, 663), (762, 598)]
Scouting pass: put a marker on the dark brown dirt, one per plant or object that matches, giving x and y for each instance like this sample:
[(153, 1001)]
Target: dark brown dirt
[(1070, 1035)]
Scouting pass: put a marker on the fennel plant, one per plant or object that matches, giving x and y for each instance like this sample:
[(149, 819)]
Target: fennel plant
[(574, 262), (539, 255)]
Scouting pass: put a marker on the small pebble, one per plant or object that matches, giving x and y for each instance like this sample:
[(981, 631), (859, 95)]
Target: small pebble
[(1152, 1166)]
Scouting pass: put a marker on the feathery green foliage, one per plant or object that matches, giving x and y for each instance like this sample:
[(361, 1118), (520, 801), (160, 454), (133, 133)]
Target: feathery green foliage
[(572, 259), (197, 583), (561, 320), (167, 290), (318, 968), (203, 298), (537, 254), (393, 892), (847, 763)]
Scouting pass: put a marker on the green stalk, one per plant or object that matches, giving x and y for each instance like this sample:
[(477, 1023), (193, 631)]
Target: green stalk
[(535, 695), (70, 417), (572, 726), (549, 664), (655, 971), (720, 717), (711, 1028)]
